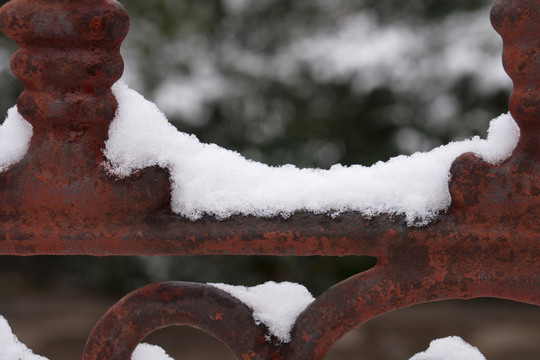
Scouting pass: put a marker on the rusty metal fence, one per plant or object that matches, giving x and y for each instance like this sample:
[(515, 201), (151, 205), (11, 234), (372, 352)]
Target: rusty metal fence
[(59, 200)]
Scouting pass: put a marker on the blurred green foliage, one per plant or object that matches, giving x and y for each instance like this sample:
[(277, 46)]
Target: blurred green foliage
[(303, 113)]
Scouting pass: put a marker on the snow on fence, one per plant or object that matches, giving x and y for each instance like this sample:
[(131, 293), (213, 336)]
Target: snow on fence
[(89, 167)]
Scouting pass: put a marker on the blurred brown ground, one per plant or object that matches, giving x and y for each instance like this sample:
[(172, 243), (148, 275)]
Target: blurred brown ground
[(57, 325)]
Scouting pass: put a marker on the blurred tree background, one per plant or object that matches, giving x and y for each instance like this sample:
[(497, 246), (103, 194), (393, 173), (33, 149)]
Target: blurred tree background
[(310, 83)]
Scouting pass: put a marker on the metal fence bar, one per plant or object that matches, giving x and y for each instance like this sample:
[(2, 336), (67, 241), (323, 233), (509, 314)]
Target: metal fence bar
[(60, 200)]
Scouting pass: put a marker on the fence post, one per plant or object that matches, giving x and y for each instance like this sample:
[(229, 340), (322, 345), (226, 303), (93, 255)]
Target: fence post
[(68, 60)]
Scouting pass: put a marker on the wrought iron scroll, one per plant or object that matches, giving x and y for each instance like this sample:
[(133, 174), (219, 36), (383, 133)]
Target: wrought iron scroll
[(60, 200)]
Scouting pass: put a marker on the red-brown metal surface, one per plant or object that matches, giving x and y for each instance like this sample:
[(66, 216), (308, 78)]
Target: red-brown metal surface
[(68, 60), (176, 303), (60, 200)]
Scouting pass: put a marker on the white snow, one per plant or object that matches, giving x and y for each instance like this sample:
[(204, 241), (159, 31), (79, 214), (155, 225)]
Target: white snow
[(15, 135), (149, 352), (276, 305), (12, 349), (207, 179), (449, 348)]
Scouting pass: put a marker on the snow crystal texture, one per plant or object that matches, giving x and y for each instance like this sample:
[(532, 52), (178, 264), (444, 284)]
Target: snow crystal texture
[(207, 179), (12, 349), (449, 348), (276, 305), (15, 135), (149, 352)]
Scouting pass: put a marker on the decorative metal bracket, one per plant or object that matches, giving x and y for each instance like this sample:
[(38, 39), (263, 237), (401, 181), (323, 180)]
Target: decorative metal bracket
[(59, 200)]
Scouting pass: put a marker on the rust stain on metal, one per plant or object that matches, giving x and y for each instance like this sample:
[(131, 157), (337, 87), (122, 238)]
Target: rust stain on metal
[(60, 200), (175, 303), (68, 59)]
